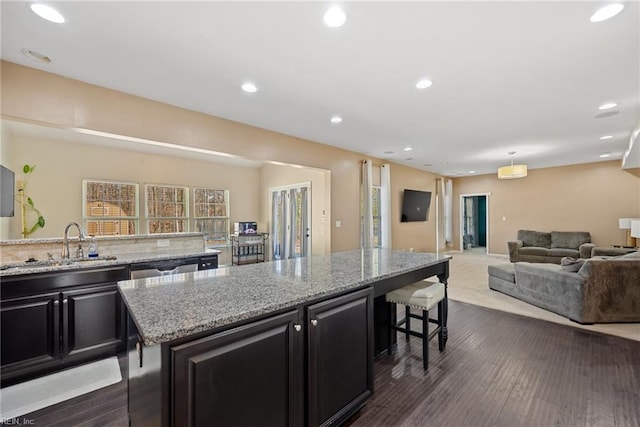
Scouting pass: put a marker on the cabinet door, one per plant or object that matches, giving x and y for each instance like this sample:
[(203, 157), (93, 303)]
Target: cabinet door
[(30, 331), (340, 351), (93, 321), (246, 376)]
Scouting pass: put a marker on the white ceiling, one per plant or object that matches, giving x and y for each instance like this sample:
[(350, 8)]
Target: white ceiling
[(507, 76)]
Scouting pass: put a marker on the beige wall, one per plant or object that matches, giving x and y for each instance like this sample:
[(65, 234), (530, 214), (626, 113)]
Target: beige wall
[(44, 98), (589, 197), (407, 235), (278, 176), (56, 184)]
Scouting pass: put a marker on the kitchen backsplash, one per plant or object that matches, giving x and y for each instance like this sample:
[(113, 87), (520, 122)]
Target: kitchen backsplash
[(12, 251)]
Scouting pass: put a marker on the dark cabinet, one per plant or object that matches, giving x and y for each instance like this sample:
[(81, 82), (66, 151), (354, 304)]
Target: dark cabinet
[(340, 357), (53, 321), (246, 376), (93, 319), (311, 366), (30, 330)]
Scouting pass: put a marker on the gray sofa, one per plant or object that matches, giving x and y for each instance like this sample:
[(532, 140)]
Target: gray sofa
[(539, 246), (602, 290)]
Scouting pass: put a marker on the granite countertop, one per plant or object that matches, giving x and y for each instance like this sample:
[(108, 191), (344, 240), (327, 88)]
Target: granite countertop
[(170, 307), (99, 238), (16, 269)]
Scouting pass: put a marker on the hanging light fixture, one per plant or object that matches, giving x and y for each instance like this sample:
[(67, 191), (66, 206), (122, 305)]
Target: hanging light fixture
[(512, 171)]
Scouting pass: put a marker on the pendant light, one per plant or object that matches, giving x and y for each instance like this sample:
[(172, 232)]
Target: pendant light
[(512, 171)]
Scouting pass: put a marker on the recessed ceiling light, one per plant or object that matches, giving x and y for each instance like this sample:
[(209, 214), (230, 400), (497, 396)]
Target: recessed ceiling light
[(35, 56), (407, 148), (336, 119), (388, 152), (607, 12), (424, 83), (603, 155), (249, 87), (409, 158), (472, 171), (335, 17), (47, 12), (606, 137), (427, 164), (607, 106)]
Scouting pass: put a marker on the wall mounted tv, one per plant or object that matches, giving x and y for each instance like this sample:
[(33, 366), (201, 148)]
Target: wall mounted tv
[(7, 191), (415, 205)]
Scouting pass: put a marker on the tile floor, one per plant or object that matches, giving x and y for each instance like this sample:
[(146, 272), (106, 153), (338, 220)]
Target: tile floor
[(468, 282)]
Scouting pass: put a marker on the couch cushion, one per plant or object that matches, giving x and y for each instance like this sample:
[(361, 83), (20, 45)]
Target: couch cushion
[(535, 238), (631, 255), (569, 239), (562, 252), (534, 250), (571, 264), (502, 271)]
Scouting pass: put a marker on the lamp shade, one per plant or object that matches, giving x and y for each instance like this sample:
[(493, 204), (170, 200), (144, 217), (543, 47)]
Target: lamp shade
[(624, 223), (635, 228), (512, 171)]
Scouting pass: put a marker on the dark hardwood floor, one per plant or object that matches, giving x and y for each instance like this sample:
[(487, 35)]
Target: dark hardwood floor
[(499, 369)]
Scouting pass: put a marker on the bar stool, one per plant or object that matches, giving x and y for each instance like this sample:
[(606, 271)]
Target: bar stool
[(422, 295)]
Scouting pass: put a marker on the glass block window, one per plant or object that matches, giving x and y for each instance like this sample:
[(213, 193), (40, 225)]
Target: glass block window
[(167, 208), (110, 208), (211, 214)]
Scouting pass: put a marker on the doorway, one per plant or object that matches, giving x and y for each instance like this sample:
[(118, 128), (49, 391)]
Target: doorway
[(291, 221), (474, 222)]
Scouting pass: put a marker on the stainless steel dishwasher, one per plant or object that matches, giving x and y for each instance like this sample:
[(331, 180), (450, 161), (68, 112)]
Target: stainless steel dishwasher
[(165, 267)]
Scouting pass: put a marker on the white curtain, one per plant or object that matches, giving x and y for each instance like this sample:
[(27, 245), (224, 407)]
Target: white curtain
[(367, 204), (448, 211), (279, 225), (385, 206)]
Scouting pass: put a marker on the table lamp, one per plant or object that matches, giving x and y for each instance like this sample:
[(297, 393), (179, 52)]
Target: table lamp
[(635, 230), (625, 224)]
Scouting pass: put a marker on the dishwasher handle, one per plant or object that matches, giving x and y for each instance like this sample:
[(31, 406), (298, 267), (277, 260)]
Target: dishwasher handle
[(167, 272)]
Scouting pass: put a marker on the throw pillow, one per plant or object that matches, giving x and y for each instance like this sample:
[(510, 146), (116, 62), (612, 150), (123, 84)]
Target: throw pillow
[(571, 264)]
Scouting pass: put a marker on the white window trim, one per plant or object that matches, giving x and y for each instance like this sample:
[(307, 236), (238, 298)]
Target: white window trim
[(186, 218), (87, 218)]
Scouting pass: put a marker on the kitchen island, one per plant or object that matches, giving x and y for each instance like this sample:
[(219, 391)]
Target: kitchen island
[(286, 342)]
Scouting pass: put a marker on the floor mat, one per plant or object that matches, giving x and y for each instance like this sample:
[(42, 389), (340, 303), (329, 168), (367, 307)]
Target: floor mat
[(31, 396)]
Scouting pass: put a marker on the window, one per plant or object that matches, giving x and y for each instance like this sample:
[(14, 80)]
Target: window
[(211, 214), (167, 208), (110, 208)]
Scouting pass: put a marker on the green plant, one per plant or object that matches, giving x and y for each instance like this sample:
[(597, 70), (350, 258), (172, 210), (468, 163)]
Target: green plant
[(27, 207)]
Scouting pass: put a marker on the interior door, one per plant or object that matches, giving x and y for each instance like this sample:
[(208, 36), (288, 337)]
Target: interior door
[(291, 221)]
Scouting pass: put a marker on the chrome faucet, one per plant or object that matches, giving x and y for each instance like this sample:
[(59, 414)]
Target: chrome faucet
[(65, 239)]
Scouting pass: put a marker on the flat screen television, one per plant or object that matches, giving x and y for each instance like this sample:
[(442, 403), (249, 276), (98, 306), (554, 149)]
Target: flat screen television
[(415, 205), (7, 191)]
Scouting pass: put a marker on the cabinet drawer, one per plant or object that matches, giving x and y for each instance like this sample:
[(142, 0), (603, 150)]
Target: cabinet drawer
[(31, 284)]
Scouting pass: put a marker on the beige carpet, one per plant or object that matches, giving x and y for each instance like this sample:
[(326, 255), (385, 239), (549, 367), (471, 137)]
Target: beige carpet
[(468, 282)]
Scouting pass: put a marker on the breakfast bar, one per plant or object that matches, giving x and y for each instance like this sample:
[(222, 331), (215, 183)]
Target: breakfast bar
[(287, 342)]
